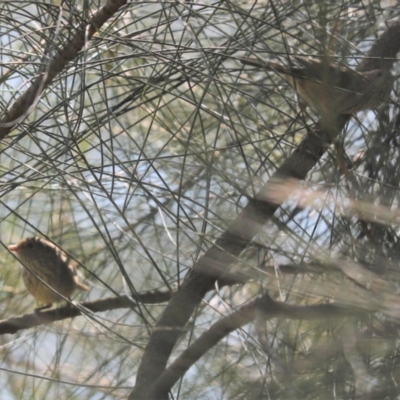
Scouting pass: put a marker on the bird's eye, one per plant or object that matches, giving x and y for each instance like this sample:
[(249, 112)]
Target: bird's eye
[(30, 245)]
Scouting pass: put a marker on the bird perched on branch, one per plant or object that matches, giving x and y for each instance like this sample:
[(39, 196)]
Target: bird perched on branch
[(329, 88), (52, 265)]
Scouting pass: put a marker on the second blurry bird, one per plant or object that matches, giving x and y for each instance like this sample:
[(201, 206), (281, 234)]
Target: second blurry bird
[(329, 88), (48, 262)]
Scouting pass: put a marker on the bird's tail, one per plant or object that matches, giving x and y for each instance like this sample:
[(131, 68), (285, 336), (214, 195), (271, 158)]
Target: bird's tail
[(268, 65)]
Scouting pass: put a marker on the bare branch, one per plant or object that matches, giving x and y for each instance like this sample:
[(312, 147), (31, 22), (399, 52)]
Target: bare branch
[(383, 52), (217, 260), (268, 307), (26, 321), (57, 64)]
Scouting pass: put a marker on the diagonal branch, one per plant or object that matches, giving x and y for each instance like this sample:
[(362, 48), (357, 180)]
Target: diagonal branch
[(22, 106), (212, 265), (382, 54), (269, 309)]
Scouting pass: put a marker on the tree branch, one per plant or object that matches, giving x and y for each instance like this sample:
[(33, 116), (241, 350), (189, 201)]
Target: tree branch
[(26, 321), (212, 265), (269, 309), (21, 107)]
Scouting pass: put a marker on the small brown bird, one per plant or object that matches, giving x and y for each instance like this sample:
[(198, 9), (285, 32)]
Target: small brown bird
[(329, 88), (48, 262)]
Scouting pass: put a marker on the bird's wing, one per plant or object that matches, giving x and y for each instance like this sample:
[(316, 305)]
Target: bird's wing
[(339, 76)]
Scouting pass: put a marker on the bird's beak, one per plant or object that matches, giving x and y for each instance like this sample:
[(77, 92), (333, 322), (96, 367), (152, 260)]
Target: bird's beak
[(13, 247)]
